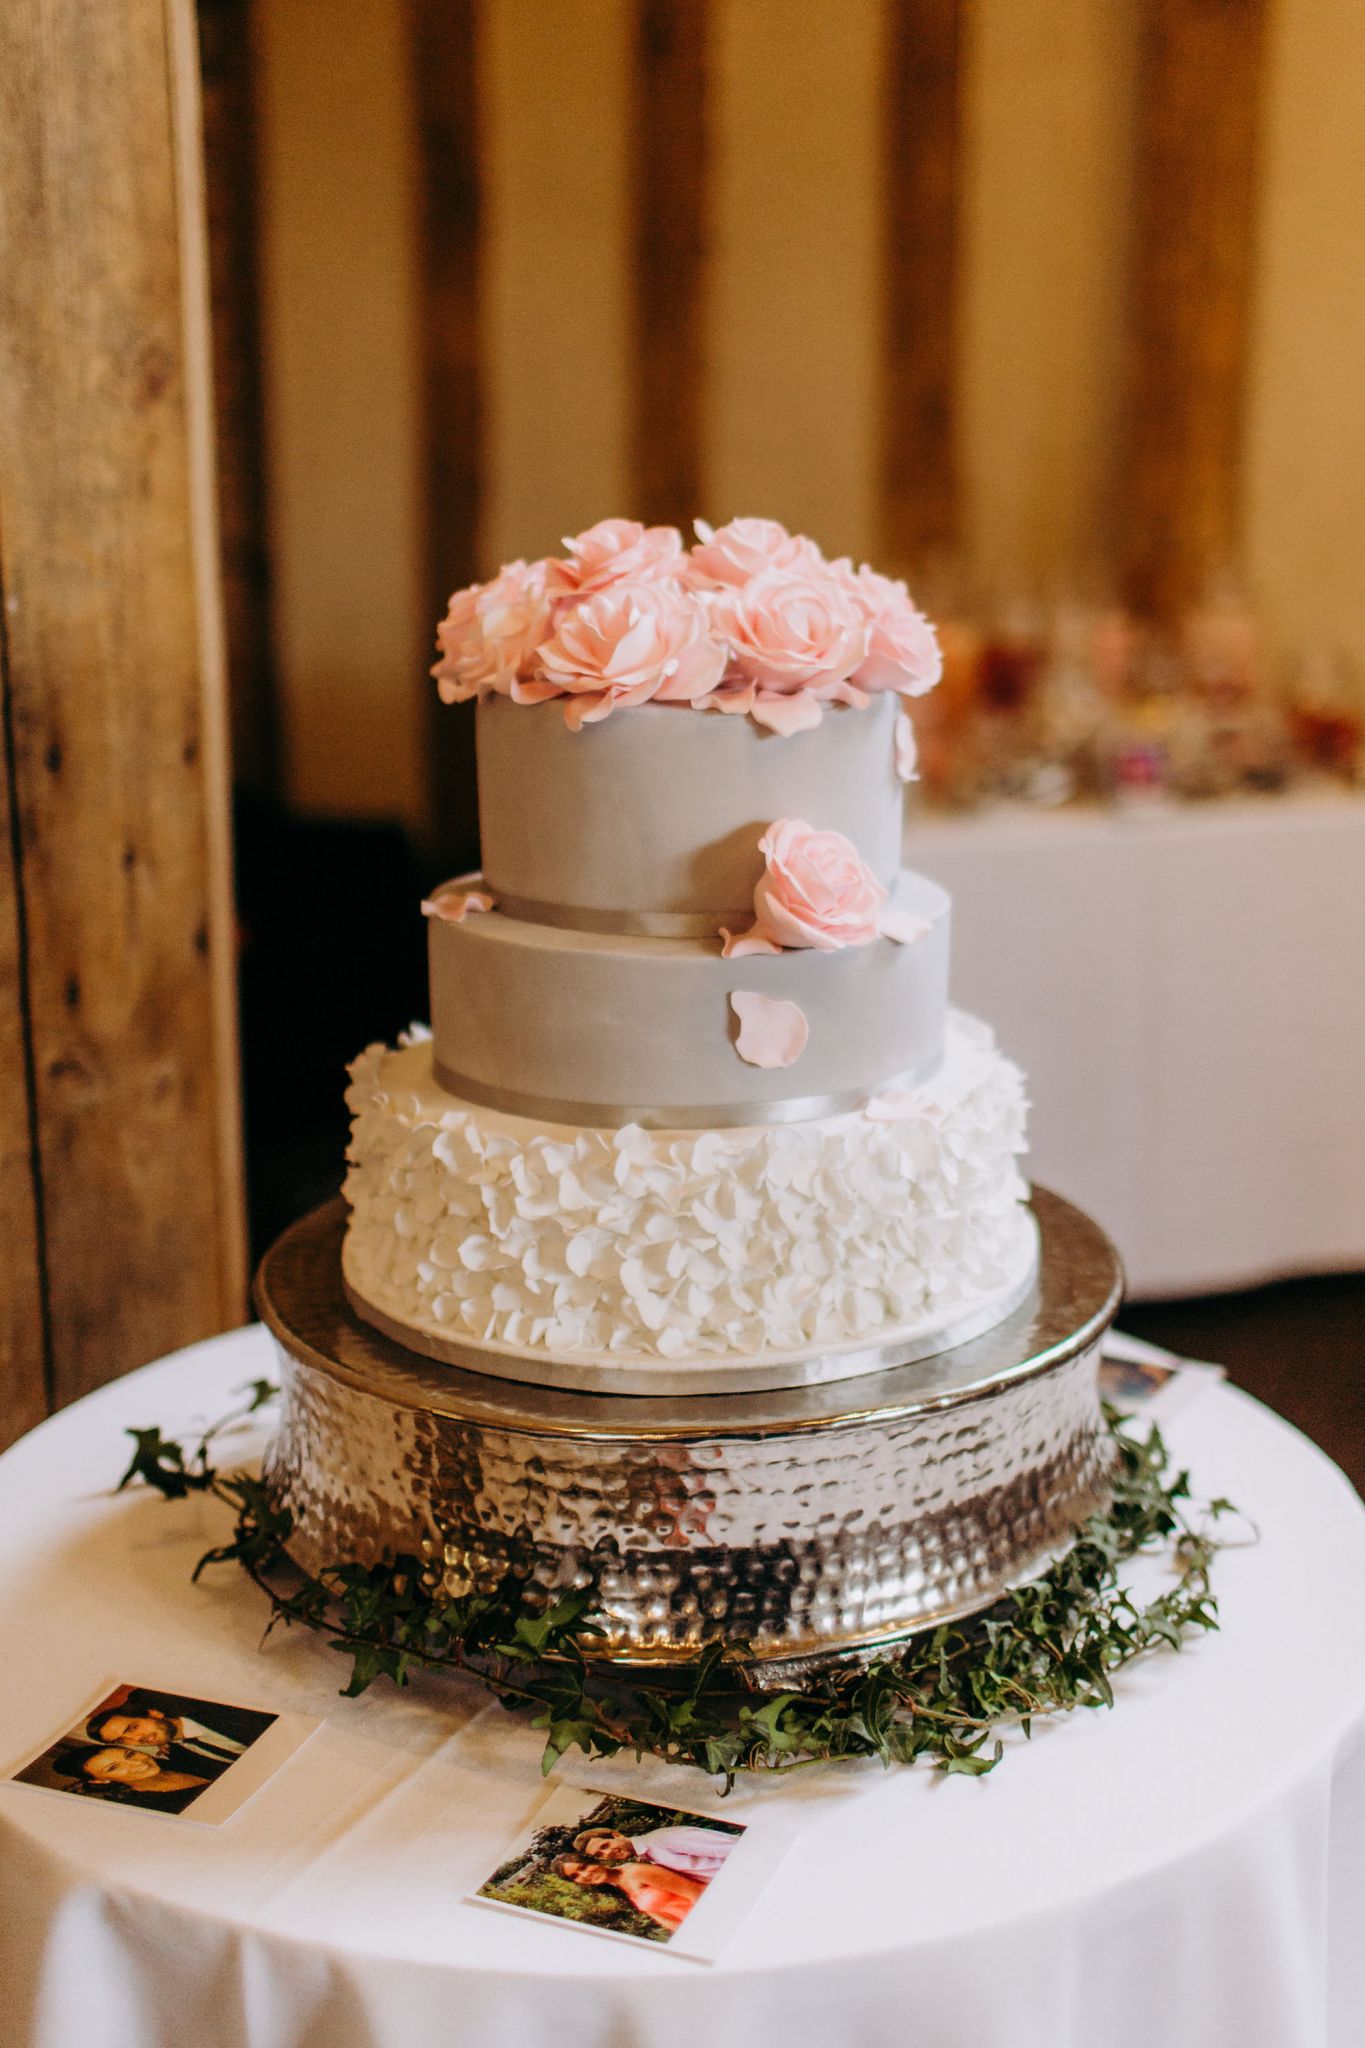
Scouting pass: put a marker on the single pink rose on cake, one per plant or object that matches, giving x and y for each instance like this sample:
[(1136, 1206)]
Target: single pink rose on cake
[(630, 643), (729, 556), (902, 648), (490, 633), (615, 551), (816, 891)]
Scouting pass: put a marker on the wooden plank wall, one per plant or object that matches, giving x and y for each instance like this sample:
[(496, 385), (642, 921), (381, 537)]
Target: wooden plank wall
[(1199, 122), (444, 47), (229, 129), (922, 156), (24, 1348), (670, 189), (116, 867)]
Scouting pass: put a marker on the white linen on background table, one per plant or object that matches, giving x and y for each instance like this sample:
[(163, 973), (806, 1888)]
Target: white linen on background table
[(1186, 1871), (1184, 986)]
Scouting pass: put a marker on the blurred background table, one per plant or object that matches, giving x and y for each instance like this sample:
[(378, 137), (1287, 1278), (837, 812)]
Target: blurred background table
[(1184, 986), (1182, 1872)]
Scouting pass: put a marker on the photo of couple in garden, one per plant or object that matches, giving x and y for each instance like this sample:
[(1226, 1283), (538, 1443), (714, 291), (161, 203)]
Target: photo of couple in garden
[(619, 1866)]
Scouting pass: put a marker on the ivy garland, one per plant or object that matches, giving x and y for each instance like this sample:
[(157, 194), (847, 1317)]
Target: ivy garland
[(1047, 1648)]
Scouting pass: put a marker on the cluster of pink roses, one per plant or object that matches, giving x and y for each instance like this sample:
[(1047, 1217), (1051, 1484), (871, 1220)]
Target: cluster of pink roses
[(751, 619)]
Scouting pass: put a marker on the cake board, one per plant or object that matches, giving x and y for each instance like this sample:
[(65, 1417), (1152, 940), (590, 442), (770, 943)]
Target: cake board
[(800, 1524)]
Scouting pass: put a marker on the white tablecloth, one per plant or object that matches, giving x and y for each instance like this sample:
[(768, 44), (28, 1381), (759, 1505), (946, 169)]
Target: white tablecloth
[(1186, 1872), (1185, 988)]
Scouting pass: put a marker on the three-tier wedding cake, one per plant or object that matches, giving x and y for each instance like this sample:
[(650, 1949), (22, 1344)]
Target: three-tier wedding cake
[(693, 1112)]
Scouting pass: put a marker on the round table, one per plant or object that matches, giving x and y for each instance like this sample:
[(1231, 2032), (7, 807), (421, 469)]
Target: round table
[(1186, 1870)]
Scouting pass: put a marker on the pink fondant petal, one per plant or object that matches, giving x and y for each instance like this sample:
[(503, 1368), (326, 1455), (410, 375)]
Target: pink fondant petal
[(847, 692), (906, 751), (902, 927), (453, 906), (728, 697), (532, 690), (772, 1033), (737, 944), (586, 708), (798, 712), (895, 1107)]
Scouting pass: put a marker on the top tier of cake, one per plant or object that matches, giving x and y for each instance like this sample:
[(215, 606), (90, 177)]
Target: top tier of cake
[(649, 822)]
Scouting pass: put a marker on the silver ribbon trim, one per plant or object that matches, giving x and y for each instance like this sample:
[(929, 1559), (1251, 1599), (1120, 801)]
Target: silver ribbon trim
[(651, 1116), (622, 924)]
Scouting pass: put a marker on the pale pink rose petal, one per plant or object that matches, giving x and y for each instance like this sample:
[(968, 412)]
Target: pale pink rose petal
[(581, 711), (729, 697), (737, 944), (453, 906), (772, 1032), (797, 713), (845, 693), (897, 1106), (907, 753), (901, 926), (533, 691)]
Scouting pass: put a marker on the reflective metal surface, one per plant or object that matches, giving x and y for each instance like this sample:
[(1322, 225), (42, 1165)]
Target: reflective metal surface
[(809, 1522)]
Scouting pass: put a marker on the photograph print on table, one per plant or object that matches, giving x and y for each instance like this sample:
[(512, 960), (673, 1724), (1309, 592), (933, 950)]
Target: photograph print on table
[(641, 1872), (1145, 1381), (166, 1752)]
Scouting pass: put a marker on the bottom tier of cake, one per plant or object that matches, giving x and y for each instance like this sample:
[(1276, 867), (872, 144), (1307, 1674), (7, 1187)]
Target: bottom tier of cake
[(633, 1260), (815, 1522)]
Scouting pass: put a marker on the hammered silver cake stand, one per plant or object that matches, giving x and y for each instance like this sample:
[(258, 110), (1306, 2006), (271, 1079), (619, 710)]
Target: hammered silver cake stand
[(803, 1524)]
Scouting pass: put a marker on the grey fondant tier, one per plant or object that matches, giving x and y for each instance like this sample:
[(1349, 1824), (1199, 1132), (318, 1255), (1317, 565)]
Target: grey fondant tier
[(578, 1027), (656, 812)]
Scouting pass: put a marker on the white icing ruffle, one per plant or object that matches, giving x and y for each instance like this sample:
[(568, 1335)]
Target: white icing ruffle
[(676, 1244)]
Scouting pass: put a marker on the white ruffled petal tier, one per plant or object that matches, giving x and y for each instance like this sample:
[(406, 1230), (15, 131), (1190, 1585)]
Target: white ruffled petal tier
[(466, 1223)]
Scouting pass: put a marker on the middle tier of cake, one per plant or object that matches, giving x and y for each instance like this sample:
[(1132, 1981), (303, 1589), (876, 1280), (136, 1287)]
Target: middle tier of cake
[(588, 1028)]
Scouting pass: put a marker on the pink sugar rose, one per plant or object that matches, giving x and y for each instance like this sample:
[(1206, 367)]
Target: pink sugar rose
[(790, 632), (631, 643), (727, 557), (490, 633), (816, 892), (615, 551), (902, 647)]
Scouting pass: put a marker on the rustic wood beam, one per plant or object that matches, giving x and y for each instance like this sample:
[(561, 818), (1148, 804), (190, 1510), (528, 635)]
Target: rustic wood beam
[(114, 687), (24, 1348), (229, 125), (443, 41), (670, 239), (1199, 119), (921, 141)]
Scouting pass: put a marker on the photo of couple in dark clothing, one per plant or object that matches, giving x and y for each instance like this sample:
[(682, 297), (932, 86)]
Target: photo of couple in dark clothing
[(142, 1747), (617, 1864)]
